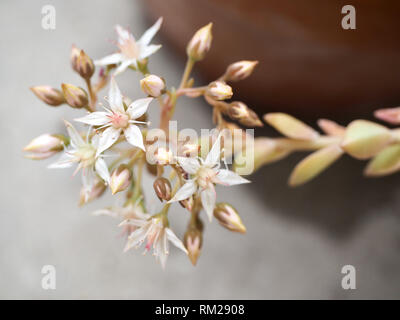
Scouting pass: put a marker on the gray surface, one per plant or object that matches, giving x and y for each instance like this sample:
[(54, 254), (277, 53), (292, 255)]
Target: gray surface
[(297, 240)]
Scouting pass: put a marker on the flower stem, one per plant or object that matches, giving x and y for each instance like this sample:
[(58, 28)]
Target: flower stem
[(92, 95)]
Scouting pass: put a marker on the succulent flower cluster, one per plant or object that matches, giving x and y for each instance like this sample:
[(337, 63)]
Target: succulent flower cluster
[(117, 144)]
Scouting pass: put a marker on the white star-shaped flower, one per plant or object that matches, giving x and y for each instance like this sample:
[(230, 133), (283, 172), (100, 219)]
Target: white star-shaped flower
[(157, 235), (118, 120), (205, 174), (85, 154), (130, 50)]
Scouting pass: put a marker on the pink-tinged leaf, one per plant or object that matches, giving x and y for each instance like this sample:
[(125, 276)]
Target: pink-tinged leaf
[(314, 164), (364, 139), (385, 162), (290, 126), (331, 128), (390, 115)]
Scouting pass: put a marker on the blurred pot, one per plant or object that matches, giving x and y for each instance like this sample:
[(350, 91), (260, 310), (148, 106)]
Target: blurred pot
[(308, 64)]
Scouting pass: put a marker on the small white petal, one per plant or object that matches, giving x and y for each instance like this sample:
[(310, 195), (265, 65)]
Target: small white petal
[(149, 50), (107, 212), (95, 118), (124, 65), (123, 34), (175, 240), (150, 33), (134, 136), (230, 178), (107, 139), (115, 97), (76, 139), (88, 180), (63, 162), (214, 155), (190, 165), (185, 191), (111, 59), (138, 107), (208, 199), (102, 170)]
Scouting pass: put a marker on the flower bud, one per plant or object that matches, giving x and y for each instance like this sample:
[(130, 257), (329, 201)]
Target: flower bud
[(76, 97), (252, 120), (238, 110), (162, 188), (193, 241), (121, 178), (81, 63), (45, 146), (96, 192), (49, 95), (228, 217), (152, 85), (187, 203), (200, 43), (219, 90), (239, 70)]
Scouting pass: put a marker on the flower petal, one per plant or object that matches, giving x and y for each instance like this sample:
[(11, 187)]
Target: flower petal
[(102, 170), (190, 165), (208, 199), (214, 155), (112, 212), (76, 139), (230, 178), (185, 191), (107, 139), (88, 180), (124, 65), (149, 50), (63, 162), (111, 59), (150, 33), (123, 34), (134, 136), (175, 240), (115, 97), (138, 107), (95, 118)]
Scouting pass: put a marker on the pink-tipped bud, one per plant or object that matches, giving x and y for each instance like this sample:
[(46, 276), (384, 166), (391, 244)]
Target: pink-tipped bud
[(187, 203), (75, 97), (51, 96), (152, 85), (81, 63), (200, 43), (239, 111), (219, 90), (193, 241), (239, 70), (45, 146), (162, 188), (96, 192), (228, 217), (121, 178)]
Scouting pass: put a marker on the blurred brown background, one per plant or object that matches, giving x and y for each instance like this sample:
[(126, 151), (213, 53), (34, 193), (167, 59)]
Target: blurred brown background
[(309, 65)]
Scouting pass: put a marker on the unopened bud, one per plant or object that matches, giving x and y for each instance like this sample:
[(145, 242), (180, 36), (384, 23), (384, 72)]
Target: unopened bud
[(76, 97), (228, 217), (187, 203), (81, 63), (239, 70), (152, 85), (96, 192), (121, 178), (200, 43), (45, 146), (162, 188), (193, 241), (238, 110), (219, 90), (49, 95), (252, 120)]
